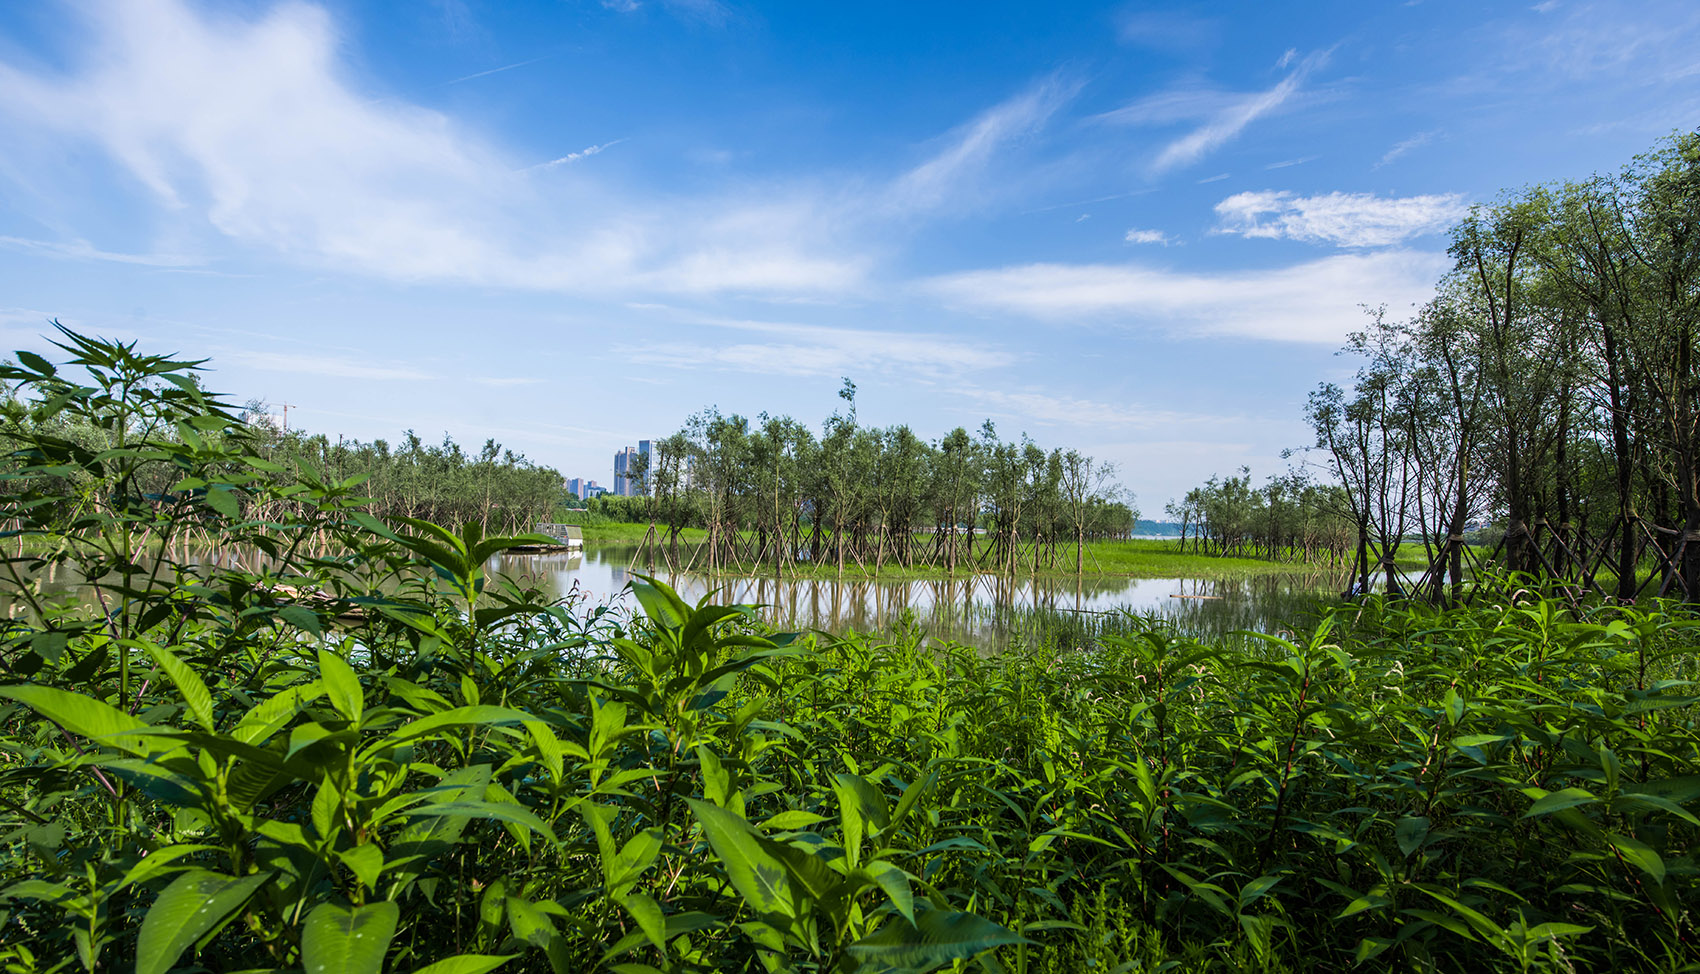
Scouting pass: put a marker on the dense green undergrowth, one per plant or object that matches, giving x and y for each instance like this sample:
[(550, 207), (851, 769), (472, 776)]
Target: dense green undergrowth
[(383, 759)]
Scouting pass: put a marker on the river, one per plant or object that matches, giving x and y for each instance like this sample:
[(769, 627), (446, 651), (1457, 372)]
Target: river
[(986, 610)]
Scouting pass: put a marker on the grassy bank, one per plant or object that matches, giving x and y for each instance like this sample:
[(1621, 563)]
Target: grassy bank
[(1142, 558)]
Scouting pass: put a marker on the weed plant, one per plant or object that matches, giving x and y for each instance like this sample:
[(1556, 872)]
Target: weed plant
[(385, 759)]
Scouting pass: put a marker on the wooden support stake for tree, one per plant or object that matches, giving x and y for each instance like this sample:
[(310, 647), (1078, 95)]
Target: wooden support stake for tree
[(1675, 562)]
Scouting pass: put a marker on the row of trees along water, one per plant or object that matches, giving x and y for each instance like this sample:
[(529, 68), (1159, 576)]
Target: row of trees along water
[(771, 493), (1549, 386), (496, 488), (1290, 518)]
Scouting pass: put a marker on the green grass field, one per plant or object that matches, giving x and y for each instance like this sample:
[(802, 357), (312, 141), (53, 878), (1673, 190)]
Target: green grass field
[(1141, 558)]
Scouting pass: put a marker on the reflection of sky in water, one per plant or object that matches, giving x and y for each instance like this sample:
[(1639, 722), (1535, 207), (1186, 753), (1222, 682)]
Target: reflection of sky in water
[(963, 608)]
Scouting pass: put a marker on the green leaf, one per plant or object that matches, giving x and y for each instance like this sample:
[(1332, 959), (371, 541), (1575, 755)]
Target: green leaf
[(895, 882), (223, 500), (792, 819), (365, 862), (1410, 833), (188, 683), (83, 716), (35, 363), (476, 715), (345, 940), (1547, 803), (502, 812), (1639, 854), (758, 875), (1257, 889), (341, 685), (466, 964), (529, 924), (268, 718), (648, 915), (195, 904), (302, 617), (660, 603), (936, 938)]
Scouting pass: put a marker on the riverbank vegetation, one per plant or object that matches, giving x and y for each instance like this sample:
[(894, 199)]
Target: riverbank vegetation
[(771, 493), (380, 758), (1550, 388)]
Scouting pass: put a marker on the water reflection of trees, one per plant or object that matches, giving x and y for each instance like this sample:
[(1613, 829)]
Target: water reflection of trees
[(989, 610)]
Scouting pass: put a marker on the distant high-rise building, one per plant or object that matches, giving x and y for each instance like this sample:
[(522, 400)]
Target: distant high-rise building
[(631, 470), (622, 472)]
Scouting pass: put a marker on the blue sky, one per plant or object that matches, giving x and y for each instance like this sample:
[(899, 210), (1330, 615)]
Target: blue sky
[(1138, 230)]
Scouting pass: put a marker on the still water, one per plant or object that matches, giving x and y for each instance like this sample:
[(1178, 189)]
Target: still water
[(980, 609)]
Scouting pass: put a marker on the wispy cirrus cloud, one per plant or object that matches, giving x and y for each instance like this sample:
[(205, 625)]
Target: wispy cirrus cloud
[(584, 153), (1404, 146), (1222, 115), (83, 250), (1137, 236), (968, 151), (251, 126), (322, 365), (1317, 301), (786, 348), (1343, 219), (1062, 409)]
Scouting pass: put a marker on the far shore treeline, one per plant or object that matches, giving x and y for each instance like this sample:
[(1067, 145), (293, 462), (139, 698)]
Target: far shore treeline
[(1550, 387)]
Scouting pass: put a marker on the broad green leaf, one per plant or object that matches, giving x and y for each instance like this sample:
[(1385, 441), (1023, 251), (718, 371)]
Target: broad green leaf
[(936, 938), (188, 683), (195, 904), (83, 716), (529, 924), (342, 685), (895, 882), (221, 498), (1256, 889), (302, 617), (366, 862), (758, 875), (348, 940), (1547, 803), (792, 819), (267, 718), (1410, 833), (477, 715), (466, 964), (1639, 854), (648, 915), (500, 811)]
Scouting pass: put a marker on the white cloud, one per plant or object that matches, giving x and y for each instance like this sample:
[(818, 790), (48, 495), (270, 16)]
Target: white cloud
[(83, 250), (1147, 237), (1345, 219), (1406, 145), (1318, 301), (1231, 119), (1054, 409), (319, 365), (252, 127), (583, 153), (971, 148), (809, 350)]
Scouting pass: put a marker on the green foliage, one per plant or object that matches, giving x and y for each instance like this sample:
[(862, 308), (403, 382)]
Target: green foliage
[(382, 758)]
